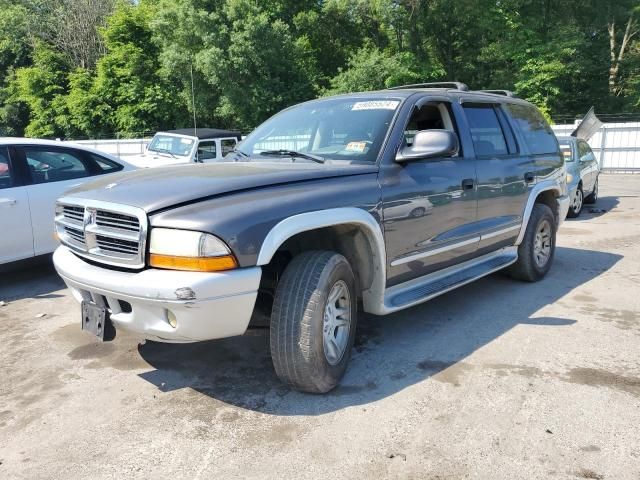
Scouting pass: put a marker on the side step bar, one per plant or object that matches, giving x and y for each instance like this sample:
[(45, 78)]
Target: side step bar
[(425, 288)]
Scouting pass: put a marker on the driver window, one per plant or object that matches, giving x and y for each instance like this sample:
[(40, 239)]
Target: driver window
[(206, 151), (431, 116)]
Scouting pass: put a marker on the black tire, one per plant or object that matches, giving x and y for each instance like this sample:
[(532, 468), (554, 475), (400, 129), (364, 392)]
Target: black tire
[(527, 268), (593, 196), (574, 210), (297, 321), (417, 212)]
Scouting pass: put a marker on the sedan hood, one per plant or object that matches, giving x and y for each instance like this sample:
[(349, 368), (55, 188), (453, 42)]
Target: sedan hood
[(159, 188)]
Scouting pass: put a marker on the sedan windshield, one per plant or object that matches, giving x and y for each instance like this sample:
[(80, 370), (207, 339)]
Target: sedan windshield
[(171, 145), (343, 128)]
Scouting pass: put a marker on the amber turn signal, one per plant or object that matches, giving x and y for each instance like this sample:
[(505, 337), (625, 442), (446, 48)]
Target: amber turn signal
[(193, 264)]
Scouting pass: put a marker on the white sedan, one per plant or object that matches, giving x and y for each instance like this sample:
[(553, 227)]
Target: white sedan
[(33, 174)]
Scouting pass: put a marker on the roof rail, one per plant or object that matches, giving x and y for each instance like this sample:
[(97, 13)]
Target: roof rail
[(506, 93), (456, 85)]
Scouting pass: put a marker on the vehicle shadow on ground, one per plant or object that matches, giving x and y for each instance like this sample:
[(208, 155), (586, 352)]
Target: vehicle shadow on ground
[(30, 279), (602, 206), (391, 353)]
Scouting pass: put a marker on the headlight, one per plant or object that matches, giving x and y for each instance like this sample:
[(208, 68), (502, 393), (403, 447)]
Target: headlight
[(569, 178), (188, 250)]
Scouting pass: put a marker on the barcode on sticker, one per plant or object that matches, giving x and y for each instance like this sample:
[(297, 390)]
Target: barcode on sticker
[(376, 105)]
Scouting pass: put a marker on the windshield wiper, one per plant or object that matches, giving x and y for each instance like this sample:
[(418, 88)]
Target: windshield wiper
[(293, 153), (163, 150)]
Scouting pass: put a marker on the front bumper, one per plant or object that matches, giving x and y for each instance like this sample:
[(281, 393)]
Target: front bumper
[(206, 305)]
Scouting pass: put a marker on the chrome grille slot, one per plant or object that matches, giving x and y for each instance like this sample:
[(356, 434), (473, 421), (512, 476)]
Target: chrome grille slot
[(116, 245), (104, 232), (73, 213), (75, 234), (117, 220)]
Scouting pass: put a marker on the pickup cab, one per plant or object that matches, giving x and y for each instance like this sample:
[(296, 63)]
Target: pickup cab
[(373, 201), (186, 145)]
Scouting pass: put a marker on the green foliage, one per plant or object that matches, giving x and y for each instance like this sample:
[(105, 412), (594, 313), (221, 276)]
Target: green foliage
[(236, 62), (373, 69)]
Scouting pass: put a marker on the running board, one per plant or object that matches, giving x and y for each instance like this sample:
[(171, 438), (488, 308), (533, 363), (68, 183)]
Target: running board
[(425, 288)]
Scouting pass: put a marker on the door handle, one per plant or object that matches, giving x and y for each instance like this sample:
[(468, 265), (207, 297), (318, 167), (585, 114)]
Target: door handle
[(529, 177), (7, 201), (468, 183)]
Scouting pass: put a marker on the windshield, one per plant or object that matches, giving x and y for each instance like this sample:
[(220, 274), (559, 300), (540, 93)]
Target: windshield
[(331, 129), (565, 148), (171, 145)]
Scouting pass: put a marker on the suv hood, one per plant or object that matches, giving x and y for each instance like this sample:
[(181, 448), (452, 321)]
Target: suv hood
[(158, 188), (148, 161)]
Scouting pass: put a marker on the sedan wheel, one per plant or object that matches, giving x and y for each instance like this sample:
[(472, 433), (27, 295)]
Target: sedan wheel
[(576, 203)]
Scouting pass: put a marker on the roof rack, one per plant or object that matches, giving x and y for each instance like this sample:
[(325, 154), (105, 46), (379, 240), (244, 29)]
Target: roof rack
[(456, 85), (506, 93)]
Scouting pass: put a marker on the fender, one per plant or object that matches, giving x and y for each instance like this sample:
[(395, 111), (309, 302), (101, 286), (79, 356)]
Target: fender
[(373, 297), (535, 191)]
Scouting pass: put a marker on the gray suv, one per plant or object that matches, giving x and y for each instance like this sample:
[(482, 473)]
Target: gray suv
[(376, 201)]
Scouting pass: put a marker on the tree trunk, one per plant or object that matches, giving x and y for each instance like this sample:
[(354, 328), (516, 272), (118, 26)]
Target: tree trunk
[(617, 55)]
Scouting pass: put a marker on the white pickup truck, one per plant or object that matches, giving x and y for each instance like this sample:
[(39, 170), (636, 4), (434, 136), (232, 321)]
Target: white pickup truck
[(186, 145)]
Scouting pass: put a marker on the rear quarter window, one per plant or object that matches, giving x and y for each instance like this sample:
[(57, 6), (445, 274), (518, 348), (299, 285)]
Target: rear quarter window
[(104, 164), (534, 128)]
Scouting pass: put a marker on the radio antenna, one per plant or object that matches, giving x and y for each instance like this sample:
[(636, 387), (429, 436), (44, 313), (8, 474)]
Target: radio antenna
[(193, 103)]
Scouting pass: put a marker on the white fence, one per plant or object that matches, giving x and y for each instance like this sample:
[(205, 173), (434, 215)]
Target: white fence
[(120, 147), (616, 145)]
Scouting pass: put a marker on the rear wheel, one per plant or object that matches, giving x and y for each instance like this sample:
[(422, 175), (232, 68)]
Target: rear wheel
[(593, 196), (576, 203), (535, 253), (313, 321)]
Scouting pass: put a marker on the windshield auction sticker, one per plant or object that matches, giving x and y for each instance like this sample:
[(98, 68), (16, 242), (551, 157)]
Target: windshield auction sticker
[(376, 105)]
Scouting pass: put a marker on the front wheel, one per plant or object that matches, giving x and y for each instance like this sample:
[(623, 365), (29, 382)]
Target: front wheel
[(535, 253), (313, 321)]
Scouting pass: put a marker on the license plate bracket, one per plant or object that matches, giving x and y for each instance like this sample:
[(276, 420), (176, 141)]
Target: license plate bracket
[(96, 320)]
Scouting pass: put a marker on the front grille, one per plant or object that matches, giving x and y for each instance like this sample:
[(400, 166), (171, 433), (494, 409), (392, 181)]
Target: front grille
[(117, 220), (103, 232)]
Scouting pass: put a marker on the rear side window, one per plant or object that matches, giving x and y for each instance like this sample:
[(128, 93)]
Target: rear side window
[(104, 164), (534, 128), (228, 144), (54, 165), (486, 131), (6, 179), (585, 153)]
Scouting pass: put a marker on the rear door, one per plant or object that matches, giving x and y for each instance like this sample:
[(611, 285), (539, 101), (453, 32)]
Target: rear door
[(504, 174), (17, 241)]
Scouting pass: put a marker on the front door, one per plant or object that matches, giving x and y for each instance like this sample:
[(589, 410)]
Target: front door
[(16, 242), (428, 206)]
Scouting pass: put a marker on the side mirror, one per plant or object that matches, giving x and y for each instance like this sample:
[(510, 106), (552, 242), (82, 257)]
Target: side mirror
[(430, 144)]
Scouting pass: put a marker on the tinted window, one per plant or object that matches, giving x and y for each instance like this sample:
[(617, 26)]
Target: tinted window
[(486, 132), (5, 169), (535, 129), (228, 144), (54, 165), (105, 164), (206, 150)]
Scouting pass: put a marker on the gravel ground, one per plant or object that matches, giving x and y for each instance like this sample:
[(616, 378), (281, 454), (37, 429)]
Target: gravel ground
[(497, 380)]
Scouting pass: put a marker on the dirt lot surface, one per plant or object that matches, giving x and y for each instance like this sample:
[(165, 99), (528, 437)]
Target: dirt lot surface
[(497, 380)]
